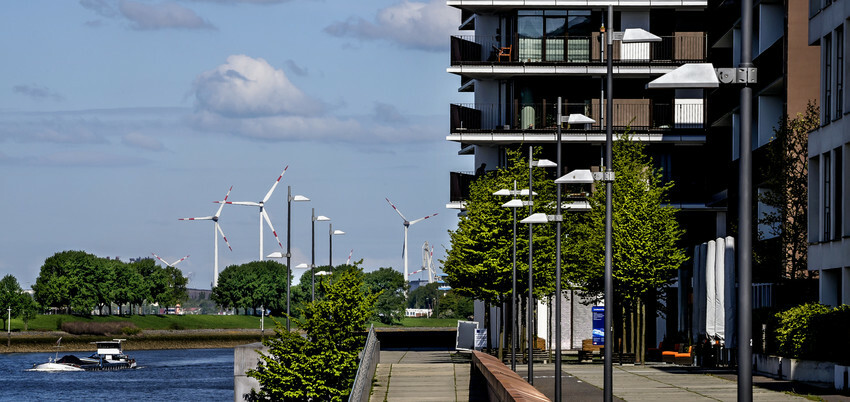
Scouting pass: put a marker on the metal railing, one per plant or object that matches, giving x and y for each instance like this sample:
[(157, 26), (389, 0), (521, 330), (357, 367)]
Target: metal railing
[(637, 114), (369, 358), (680, 48), (460, 182)]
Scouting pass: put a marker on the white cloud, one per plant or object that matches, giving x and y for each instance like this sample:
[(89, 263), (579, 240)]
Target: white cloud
[(417, 25), (249, 87), (161, 16), (137, 140), (250, 98)]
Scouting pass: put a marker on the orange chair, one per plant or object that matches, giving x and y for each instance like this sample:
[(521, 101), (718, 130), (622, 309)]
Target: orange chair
[(505, 52), (687, 358), (669, 356)]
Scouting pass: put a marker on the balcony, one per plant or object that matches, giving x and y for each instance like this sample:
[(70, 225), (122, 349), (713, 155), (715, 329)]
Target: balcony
[(683, 47), (639, 115), (493, 5)]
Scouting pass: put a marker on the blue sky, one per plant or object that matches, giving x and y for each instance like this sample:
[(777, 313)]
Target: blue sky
[(118, 117)]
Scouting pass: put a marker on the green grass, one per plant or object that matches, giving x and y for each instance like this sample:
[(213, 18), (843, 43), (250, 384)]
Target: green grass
[(53, 322)]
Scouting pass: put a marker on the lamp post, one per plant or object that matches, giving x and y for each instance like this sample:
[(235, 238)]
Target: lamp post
[(9, 328), (313, 252), (531, 307), (289, 199), (514, 203), (331, 234), (704, 75), (571, 119)]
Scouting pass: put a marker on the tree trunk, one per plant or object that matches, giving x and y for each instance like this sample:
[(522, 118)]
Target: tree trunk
[(502, 329), (643, 333)]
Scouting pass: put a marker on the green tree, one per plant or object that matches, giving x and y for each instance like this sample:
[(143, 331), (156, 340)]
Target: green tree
[(645, 236), (127, 285), (787, 173), (10, 297), (390, 287), (453, 305), (479, 262), (57, 284), (424, 296), (29, 309), (144, 268), (322, 364)]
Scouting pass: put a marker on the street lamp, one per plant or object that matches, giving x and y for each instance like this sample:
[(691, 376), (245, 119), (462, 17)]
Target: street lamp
[(514, 203), (331, 234), (289, 199), (704, 75), (531, 165), (629, 36), (310, 267), (571, 119), (313, 251)]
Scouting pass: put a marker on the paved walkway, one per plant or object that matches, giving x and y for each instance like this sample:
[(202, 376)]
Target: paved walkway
[(650, 383), (443, 375), (422, 375)]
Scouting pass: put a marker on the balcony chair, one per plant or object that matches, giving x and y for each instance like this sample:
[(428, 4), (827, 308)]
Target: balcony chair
[(505, 52)]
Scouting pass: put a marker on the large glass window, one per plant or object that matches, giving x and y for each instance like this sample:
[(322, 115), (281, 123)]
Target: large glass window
[(553, 35), (827, 79), (530, 31), (839, 72)]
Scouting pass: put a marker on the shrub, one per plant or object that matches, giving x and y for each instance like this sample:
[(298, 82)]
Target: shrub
[(814, 331), (98, 328)]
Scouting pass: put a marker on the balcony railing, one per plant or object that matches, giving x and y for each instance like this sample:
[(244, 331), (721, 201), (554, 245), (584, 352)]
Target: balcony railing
[(683, 47), (636, 114), (460, 182)]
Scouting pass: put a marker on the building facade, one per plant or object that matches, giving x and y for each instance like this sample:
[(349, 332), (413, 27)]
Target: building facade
[(829, 172)]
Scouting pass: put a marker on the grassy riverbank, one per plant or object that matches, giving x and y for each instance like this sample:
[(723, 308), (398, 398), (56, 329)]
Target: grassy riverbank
[(181, 322), (159, 332)]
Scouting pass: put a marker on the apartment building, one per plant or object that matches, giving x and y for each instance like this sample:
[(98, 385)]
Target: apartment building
[(516, 58), (829, 217)]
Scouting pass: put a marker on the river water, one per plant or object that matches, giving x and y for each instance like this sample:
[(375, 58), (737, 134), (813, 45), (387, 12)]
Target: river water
[(163, 375)]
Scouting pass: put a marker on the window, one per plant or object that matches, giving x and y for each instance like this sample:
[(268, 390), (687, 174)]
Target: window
[(827, 197), (839, 72), (827, 79), (836, 193), (545, 35)]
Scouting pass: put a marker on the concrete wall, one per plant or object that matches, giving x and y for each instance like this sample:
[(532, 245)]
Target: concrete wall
[(245, 357)]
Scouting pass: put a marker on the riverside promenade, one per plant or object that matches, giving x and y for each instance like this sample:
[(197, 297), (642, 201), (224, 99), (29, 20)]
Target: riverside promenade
[(433, 374)]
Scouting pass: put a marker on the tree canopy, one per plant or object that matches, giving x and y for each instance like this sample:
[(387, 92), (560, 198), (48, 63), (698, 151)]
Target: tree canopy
[(390, 287), (81, 282), (479, 262), (253, 285), (321, 364)]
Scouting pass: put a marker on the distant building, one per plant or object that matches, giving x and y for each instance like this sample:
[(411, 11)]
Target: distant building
[(199, 294), (829, 171)]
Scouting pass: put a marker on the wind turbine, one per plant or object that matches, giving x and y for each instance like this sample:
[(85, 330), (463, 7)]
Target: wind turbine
[(348, 261), (167, 263), (216, 231), (263, 213), (406, 226)]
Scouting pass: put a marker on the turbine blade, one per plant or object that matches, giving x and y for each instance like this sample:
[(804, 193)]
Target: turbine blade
[(221, 232), (269, 222), (396, 209), (178, 261), (271, 190), (249, 203), (202, 218), (422, 219), (223, 202), (158, 258)]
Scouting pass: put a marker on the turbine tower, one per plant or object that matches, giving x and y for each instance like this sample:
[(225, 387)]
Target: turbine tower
[(406, 226), (216, 231), (263, 214)]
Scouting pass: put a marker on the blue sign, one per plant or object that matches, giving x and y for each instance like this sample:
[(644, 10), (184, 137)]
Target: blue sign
[(598, 325)]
